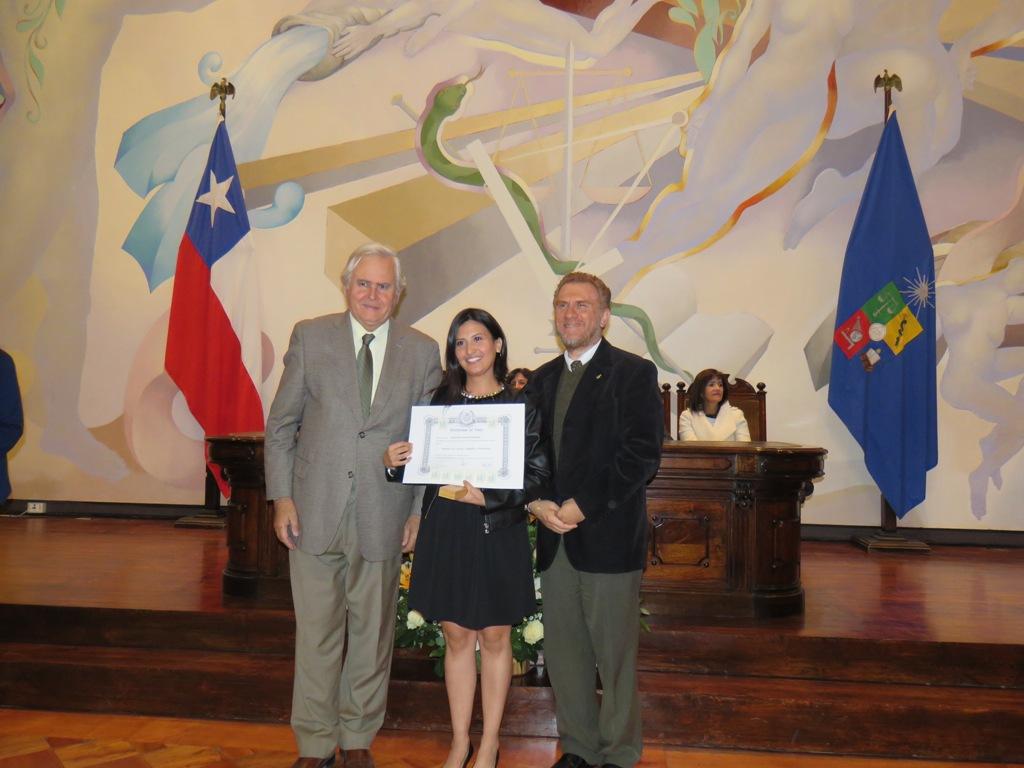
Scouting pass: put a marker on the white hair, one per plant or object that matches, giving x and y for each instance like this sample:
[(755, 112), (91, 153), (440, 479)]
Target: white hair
[(372, 249)]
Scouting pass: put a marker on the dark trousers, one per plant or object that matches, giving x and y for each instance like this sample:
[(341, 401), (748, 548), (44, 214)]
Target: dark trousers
[(592, 622)]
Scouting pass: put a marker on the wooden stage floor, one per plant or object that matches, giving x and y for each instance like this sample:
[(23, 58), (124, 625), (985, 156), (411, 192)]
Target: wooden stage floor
[(896, 656), (956, 594)]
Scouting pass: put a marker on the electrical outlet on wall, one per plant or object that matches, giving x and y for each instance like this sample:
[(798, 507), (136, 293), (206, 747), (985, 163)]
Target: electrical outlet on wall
[(36, 507)]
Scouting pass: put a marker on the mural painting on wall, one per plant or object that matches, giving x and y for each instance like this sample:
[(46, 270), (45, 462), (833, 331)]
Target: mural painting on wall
[(705, 157)]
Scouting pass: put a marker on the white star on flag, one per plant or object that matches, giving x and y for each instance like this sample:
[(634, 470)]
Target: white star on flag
[(217, 196)]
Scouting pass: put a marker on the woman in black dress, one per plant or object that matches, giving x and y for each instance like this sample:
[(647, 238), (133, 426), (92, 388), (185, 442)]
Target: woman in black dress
[(473, 571)]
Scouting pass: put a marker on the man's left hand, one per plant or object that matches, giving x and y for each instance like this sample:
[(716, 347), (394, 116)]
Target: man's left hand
[(570, 512), (410, 532)]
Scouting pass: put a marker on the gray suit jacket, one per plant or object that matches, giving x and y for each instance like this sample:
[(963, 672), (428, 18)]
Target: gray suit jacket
[(320, 450)]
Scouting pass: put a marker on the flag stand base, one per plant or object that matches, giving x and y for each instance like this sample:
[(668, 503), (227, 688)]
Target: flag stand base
[(213, 517), (203, 520), (888, 539), (884, 541)]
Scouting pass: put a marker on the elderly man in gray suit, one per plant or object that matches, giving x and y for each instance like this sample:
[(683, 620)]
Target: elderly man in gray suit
[(348, 384)]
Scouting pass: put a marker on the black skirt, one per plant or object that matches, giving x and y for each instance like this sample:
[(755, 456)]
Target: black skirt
[(463, 575)]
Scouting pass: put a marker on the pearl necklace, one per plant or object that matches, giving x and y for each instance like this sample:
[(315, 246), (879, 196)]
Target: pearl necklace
[(470, 396)]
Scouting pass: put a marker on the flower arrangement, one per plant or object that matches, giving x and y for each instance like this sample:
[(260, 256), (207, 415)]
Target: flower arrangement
[(412, 630)]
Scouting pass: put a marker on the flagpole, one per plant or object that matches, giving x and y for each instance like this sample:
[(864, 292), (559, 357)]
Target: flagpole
[(888, 539), (212, 515)]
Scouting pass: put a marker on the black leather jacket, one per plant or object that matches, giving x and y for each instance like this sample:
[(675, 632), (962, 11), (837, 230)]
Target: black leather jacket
[(506, 507)]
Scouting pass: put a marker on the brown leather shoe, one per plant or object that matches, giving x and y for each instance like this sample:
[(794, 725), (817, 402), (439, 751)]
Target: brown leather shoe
[(357, 758), (314, 762)]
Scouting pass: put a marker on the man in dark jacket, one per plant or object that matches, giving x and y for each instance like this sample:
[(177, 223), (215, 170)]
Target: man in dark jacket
[(602, 413)]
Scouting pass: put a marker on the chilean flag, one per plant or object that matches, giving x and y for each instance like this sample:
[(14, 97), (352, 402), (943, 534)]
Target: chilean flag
[(214, 341)]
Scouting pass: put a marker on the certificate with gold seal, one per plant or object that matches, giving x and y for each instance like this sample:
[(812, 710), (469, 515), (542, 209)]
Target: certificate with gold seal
[(484, 444)]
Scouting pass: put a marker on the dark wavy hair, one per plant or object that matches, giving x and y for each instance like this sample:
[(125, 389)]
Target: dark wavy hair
[(695, 394), (453, 381), (527, 373)]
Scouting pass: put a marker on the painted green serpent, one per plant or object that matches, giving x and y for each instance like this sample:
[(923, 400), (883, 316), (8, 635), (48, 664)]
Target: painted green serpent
[(444, 101)]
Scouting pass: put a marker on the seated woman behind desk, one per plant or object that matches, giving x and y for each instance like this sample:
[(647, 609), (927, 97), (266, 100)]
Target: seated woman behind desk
[(708, 415)]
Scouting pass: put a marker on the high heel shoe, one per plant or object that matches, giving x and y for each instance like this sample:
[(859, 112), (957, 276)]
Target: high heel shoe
[(497, 756), (465, 761)]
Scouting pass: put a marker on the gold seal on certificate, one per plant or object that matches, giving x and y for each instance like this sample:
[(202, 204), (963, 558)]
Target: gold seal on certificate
[(482, 443)]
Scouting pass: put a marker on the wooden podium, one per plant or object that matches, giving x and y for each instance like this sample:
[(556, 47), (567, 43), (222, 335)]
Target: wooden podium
[(725, 528), (257, 561), (724, 538)]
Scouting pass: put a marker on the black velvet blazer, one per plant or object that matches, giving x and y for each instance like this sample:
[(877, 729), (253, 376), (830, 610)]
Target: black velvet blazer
[(610, 450)]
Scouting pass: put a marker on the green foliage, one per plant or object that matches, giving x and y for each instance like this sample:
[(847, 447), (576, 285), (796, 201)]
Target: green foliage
[(708, 19), (36, 65), (683, 15), (32, 23)]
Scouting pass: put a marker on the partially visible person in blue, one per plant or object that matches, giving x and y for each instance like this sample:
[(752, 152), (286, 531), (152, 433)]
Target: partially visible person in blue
[(12, 422)]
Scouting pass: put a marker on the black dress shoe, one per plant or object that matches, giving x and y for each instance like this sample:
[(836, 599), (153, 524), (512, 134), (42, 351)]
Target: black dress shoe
[(314, 762), (569, 760)]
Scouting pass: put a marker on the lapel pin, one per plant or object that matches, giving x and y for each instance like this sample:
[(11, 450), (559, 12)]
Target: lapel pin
[(598, 376)]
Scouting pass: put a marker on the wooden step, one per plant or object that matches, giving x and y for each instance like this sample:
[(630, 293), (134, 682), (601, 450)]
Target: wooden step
[(812, 716), (761, 652), (671, 646), (247, 630)]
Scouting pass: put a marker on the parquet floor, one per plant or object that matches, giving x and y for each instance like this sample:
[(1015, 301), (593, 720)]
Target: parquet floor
[(28, 740)]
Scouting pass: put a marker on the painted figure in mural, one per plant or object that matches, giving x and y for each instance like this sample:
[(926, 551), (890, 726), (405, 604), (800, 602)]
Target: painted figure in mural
[(474, 570), (48, 157), (789, 109), (975, 316), (12, 421), (526, 28), (905, 38), (165, 150), (602, 413), (708, 414), (348, 384)]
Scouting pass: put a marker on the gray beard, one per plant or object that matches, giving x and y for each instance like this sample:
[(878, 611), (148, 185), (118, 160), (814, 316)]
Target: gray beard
[(579, 343)]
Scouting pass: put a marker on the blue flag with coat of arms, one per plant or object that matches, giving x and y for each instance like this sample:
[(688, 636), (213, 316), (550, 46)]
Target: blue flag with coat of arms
[(882, 382)]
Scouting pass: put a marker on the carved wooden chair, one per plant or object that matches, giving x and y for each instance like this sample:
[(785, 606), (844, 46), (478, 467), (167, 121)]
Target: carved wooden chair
[(742, 395)]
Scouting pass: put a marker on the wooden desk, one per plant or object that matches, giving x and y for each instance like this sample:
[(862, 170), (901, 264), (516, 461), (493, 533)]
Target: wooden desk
[(724, 541), (725, 528)]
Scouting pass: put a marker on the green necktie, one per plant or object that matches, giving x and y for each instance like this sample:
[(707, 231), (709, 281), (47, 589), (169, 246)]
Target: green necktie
[(364, 372)]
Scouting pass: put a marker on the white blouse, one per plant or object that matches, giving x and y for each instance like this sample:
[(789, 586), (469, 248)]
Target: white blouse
[(729, 424)]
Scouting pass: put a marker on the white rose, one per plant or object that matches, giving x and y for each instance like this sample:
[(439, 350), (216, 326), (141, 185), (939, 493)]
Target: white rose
[(533, 632), (415, 620)]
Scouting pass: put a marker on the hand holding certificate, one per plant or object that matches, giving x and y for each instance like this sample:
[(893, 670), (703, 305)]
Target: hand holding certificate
[(481, 443)]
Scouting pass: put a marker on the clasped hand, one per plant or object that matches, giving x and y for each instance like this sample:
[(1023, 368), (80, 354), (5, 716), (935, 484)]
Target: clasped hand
[(560, 519)]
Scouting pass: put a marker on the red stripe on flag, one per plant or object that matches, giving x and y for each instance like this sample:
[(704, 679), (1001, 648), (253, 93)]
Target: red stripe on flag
[(204, 356)]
